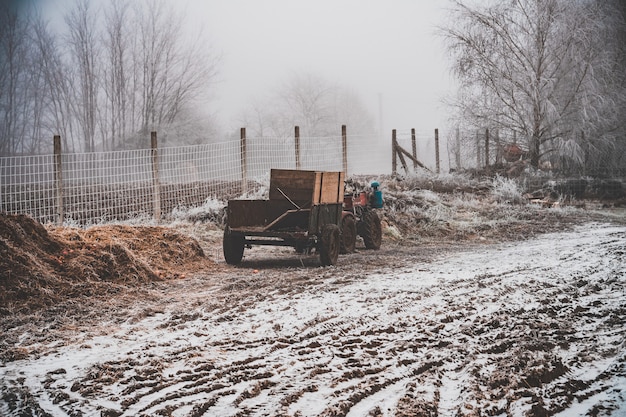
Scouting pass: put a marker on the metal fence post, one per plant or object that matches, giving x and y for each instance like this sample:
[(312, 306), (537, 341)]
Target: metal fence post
[(156, 188), (58, 175)]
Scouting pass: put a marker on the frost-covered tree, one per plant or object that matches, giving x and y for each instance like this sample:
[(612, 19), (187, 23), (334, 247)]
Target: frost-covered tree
[(84, 69), (112, 73), (21, 84), (546, 69), (318, 106), (59, 103)]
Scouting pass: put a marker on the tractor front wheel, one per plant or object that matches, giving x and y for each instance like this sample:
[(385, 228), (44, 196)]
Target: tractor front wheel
[(329, 244), (348, 234), (371, 230)]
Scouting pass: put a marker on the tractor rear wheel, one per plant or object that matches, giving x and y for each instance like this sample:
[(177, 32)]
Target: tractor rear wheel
[(371, 230), (329, 244), (233, 245), (348, 234)]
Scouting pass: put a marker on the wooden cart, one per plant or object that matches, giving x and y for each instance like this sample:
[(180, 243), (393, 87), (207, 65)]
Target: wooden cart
[(304, 211)]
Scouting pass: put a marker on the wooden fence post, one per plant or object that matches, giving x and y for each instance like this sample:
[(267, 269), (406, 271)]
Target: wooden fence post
[(58, 175), (394, 144), (297, 143), (486, 148), (457, 156), (156, 188), (437, 162), (344, 149), (498, 147), (244, 162), (414, 149), (478, 152)]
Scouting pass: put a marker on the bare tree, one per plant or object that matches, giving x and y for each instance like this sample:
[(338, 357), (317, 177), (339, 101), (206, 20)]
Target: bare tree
[(318, 106), (14, 87), (117, 73), (83, 42), (59, 116), (530, 66), (308, 100), (101, 82), (174, 70)]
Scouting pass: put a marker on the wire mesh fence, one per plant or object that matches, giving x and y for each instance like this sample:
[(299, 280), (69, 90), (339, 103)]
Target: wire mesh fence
[(152, 184), (148, 184)]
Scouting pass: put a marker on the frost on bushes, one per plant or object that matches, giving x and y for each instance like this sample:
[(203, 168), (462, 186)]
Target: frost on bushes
[(213, 211), (506, 190), (436, 182)]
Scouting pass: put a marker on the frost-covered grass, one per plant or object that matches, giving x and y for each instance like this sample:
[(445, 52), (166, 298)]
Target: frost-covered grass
[(506, 190), (420, 206), (457, 207), (211, 211)]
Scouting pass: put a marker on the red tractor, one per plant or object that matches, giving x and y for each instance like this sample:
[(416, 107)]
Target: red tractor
[(359, 217)]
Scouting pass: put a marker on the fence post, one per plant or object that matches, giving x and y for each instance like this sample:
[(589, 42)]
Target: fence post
[(478, 151), (457, 156), (414, 149), (297, 143), (344, 149), (486, 148), (437, 151), (58, 175), (244, 163), (156, 188), (394, 144), (498, 147)]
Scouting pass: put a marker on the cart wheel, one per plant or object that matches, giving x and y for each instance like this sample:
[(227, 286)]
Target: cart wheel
[(329, 244), (232, 244), (348, 234), (371, 230)]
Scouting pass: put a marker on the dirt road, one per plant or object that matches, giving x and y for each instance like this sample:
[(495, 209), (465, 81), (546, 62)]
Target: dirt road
[(531, 328)]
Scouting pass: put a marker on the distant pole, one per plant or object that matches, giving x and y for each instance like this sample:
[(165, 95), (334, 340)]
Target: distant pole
[(244, 168), (156, 189), (394, 144), (438, 165), (344, 149), (414, 149), (58, 175), (582, 140), (478, 152), (457, 156), (486, 148), (498, 147), (297, 144), (381, 128)]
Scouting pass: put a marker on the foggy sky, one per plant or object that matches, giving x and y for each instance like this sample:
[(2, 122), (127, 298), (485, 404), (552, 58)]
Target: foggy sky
[(378, 48), (385, 47)]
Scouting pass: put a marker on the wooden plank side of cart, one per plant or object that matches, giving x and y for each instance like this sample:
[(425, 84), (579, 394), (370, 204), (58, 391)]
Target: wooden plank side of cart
[(256, 217), (299, 201)]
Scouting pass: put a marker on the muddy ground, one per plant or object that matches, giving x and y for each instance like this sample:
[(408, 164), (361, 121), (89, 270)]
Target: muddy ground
[(518, 318)]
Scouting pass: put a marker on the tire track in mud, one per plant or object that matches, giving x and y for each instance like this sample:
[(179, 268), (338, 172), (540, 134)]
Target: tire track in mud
[(513, 329)]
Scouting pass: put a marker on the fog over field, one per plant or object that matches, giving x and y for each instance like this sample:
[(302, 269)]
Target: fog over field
[(387, 52)]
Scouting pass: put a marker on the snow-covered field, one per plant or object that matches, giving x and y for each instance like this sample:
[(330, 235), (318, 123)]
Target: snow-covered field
[(530, 328)]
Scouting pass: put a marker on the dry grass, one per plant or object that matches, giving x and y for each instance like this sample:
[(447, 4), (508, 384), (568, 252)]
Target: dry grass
[(40, 266)]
